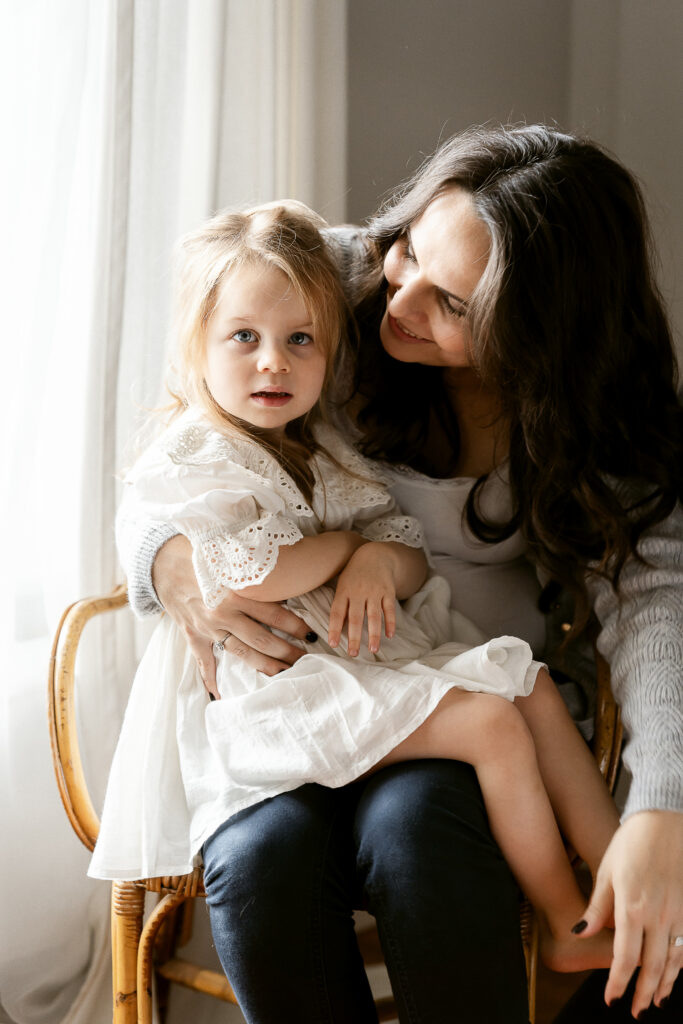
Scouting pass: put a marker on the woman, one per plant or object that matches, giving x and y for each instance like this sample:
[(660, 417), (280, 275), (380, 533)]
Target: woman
[(525, 378)]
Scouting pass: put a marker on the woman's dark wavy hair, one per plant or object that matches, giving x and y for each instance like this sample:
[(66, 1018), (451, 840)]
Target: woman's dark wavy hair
[(568, 327)]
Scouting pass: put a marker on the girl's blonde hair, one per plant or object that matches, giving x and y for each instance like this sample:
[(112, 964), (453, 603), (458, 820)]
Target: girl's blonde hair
[(286, 235)]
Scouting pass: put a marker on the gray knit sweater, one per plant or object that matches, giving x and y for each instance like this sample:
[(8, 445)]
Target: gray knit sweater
[(641, 637)]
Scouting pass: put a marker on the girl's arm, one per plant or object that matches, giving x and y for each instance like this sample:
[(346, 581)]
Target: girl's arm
[(373, 575), (306, 565)]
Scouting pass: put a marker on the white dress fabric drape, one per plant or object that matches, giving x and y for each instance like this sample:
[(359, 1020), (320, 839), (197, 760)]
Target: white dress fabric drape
[(125, 121), (184, 765)]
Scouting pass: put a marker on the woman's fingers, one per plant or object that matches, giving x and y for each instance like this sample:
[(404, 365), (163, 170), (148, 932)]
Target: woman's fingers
[(271, 614), (674, 964), (654, 959), (260, 641), (262, 662), (643, 866), (628, 943), (206, 661)]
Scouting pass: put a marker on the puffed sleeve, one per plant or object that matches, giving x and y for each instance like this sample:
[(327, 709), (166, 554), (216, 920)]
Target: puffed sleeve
[(235, 518), (642, 639), (353, 482)]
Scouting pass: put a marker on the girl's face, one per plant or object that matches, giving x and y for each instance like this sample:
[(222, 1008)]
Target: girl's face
[(262, 362), (432, 271)]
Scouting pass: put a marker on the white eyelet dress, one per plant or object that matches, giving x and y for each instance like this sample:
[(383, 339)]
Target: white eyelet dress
[(185, 764)]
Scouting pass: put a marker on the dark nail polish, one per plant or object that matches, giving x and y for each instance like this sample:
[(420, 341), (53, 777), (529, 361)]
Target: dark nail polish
[(311, 637), (211, 697), (579, 927), (664, 1001), (641, 1015)]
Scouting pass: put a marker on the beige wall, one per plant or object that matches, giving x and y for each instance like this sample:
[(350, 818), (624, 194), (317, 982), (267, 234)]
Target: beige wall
[(422, 69)]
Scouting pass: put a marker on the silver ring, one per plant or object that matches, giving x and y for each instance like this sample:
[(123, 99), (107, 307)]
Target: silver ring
[(219, 645), (676, 940)]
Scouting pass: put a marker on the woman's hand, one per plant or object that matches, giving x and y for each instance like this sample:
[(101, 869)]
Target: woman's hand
[(640, 885), (176, 587), (366, 588)]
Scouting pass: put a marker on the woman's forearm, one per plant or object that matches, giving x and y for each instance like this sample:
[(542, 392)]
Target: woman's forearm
[(308, 564)]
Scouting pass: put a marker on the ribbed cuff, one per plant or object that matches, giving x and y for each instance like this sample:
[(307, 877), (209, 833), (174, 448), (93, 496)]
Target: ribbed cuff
[(653, 794), (141, 593)]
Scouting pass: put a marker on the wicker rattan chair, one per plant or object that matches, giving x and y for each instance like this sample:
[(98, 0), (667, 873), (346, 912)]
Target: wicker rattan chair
[(145, 948)]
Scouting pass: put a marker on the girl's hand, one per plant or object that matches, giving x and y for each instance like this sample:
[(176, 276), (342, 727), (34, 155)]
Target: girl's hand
[(640, 885), (176, 587), (366, 588)]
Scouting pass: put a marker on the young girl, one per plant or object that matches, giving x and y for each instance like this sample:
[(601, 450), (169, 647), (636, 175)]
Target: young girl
[(278, 505)]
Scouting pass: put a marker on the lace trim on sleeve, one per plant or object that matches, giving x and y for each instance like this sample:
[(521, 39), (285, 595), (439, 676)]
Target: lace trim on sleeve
[(404, 529), (230, 560), (197, 444), (363, 487)]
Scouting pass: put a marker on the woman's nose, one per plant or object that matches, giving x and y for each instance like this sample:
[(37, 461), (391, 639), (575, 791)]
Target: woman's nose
[(407, 297)]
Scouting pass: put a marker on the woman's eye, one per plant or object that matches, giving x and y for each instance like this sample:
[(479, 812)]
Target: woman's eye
[(244, 336), (299, 338), (458, 311), (408, 253)]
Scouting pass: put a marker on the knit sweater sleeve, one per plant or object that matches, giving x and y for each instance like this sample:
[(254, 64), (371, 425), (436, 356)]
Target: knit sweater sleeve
[(138, 539), (642, 639), (138, 544)]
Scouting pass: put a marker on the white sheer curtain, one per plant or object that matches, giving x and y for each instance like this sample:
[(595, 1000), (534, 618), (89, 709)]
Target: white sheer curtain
[(127, 123)]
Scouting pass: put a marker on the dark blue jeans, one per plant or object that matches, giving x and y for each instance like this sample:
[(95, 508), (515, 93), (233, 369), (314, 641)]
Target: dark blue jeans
[(412, 844)]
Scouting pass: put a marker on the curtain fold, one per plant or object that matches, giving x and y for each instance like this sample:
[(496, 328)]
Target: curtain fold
[(131, 121)]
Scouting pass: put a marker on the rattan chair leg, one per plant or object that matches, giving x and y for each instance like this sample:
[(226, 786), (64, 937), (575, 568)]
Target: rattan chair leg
[(145, 964), (127, 907)]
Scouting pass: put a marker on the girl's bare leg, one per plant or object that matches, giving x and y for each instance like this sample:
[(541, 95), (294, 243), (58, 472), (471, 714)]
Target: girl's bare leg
[(490, 733), (580, 799)]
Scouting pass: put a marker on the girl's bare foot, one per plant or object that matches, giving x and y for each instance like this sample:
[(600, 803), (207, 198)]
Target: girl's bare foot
[(561, 951)]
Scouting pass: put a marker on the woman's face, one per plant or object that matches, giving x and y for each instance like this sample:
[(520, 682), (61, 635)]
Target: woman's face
[(432, 271)]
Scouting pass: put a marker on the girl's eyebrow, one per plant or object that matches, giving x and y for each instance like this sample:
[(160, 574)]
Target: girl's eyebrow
[(451, 295), (248, 318)]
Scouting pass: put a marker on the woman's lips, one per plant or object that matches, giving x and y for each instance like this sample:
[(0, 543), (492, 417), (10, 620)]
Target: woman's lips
[(271, 399), (403, 334)]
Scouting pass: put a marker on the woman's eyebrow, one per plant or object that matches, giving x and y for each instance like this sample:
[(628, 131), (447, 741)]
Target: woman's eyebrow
[(444, 291)]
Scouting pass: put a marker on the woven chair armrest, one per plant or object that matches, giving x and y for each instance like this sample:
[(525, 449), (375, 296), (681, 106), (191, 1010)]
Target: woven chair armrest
[(66, 756)]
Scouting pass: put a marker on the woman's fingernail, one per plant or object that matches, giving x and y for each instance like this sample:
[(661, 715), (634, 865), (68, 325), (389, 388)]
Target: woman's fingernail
[(579, 927), (641, 1015), (311, 637), (211, 697), (664, 1001)]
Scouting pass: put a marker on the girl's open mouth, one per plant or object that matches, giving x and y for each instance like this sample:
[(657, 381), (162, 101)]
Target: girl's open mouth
[(271, 398)]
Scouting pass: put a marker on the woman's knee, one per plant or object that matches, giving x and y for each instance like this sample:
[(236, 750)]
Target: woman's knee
[(270, 853), (422, 813)]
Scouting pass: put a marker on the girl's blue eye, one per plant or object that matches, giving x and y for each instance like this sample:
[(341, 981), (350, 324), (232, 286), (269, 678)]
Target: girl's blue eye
[(244, 336), (299, 338)]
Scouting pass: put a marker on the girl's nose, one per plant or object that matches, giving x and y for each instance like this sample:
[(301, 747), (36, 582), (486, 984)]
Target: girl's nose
[(272, 358)]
